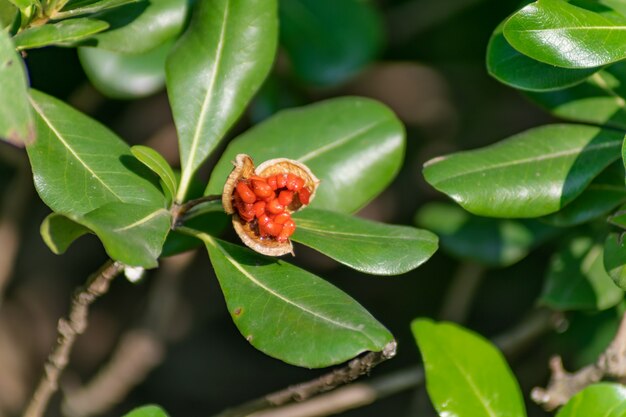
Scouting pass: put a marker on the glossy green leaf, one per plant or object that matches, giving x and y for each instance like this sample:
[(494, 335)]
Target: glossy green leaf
[(615, 258), (79, 165), (83, 7), (59, 232), (16, 120), (289, 313), (577, 280), (8, 13), (147, 411), (214, 71), (61, 33), (598, 100), (466, 375), (562, 34), (367, 246), (124, 76), (602, 399), (140, 27), (605, 193), (329, 41), (212, 222), (515, 69), (354, 145), (132, 234), (531, 174), (493, 242), (153, 160)]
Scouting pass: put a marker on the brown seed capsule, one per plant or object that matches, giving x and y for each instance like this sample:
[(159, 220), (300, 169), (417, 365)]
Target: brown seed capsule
[(266, 225)]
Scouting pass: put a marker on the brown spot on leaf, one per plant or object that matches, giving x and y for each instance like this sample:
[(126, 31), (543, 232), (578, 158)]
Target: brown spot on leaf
[(238, 311), (249, 338)]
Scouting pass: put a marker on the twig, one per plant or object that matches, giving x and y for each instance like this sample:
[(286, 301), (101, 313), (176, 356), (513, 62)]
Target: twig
[(139, 351), (461, 291), (301, 392), (68, 329), (363, 393), (564, 385), (179, 210)]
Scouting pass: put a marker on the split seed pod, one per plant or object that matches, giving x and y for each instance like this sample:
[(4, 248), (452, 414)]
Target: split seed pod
[(253, 234)]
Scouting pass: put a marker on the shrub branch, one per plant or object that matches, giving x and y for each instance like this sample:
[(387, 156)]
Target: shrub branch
[(68, 329)]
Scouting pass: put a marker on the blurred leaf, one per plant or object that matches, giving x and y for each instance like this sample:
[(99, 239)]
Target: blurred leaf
[(466, 375), (147, 411), (214, 71), (562, 34), (124, 76), (61, 33), (515, 69), (275, 94), (494, 242), (602, 399), (59, 232), (606, 192), (531, 174), (16, 119), (132, 234), (599, 100), (153, 160), (355, 146), (367, 246), (82, 7), (577, 280), (139, 27), (79, 165), (615, 259), (22, 4), (329, 41), (289, 313), (8, 12)]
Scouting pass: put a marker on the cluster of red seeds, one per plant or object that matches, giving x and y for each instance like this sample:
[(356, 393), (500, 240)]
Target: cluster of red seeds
[(263, 203)]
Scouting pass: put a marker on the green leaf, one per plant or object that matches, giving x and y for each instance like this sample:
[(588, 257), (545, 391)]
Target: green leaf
[(82, 7), (466, 375), (8, 13), (22, 4), (153, 160), (214, 71), (615, 259), (59, 232), (140, 27), (493, 242), (289, 313), (147, 411), (562, 34), (605, 193), (599, 100), (354, 145), (531, 174), (367, 246), (62, 33), (515, 69), (79, 165), (124, 76), (16, 120), (132, 234), (329, 41), (602, 399), (577, 280), (212, 222)]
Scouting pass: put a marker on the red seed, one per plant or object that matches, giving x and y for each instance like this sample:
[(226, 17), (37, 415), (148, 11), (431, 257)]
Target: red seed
[(282, 218), (271, 181), (291, 181), (288, 228), (261, 188), (259, 208), (273, 229), (281, 180), (275, 207), (304, 196), (285, 197), (247, 215), (245, 192), (264, 219)]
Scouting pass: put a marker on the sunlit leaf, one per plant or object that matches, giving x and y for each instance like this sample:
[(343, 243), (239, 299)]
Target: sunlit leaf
[(61, 33), (602, 399), (354, 145), (466, 376), (615, 259), (153, 160), (147, 411), (83, 7)]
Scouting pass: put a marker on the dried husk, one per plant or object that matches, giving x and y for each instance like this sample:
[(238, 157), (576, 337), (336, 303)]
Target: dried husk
[(244, 169)]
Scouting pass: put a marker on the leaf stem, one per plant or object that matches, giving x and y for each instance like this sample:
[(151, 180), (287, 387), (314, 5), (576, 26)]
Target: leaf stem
[(68, 329), (183, 212)]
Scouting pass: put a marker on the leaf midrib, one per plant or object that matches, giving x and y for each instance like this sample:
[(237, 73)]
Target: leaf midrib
[(141, 221), (540, 158), (356, 235), (69, 148)]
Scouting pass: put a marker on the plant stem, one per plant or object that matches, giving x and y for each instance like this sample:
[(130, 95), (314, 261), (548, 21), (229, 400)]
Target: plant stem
[(68, 329), (182, 212), (461, 291)]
